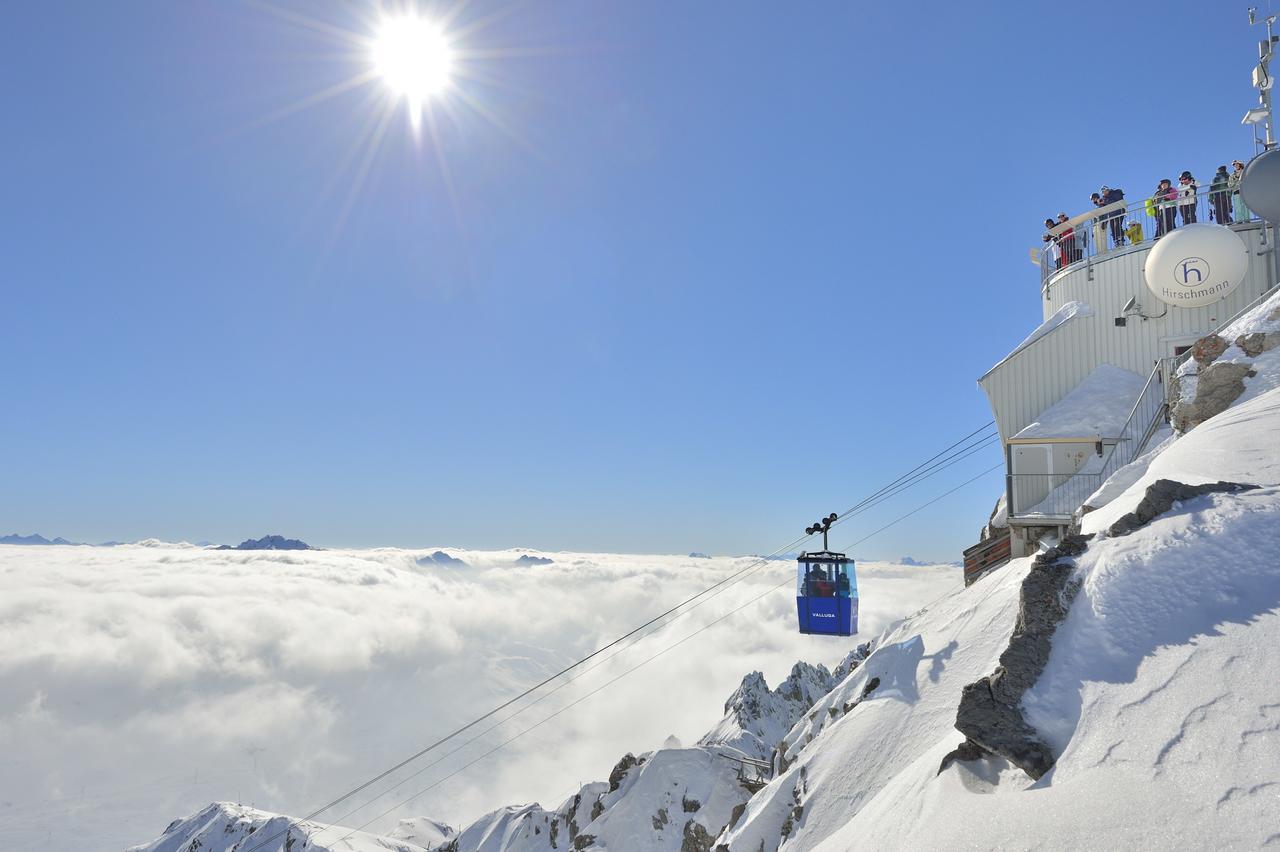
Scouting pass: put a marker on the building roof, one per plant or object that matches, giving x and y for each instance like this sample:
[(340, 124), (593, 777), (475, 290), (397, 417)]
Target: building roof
[(1067, 312), (1097, 408)]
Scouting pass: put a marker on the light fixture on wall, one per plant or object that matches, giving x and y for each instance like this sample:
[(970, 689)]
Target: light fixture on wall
[(1132, 308)]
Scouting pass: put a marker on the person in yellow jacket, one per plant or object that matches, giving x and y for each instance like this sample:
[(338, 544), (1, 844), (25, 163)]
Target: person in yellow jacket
[(1134, 231)]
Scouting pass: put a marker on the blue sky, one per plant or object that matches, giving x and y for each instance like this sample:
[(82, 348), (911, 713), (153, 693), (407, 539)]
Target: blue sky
[(698, 274)]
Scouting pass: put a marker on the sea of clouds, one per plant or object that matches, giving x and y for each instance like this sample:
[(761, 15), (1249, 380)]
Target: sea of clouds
[(140, 683)]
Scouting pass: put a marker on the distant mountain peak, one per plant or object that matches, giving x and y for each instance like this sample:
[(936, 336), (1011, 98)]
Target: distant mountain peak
[(34, 538), (269, 542)]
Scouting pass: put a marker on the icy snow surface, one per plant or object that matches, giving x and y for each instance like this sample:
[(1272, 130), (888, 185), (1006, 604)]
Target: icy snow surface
[(1099, 406), (1161, 691)]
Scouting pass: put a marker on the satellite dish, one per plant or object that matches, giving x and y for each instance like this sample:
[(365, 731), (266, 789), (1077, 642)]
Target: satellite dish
[(1196, 265), (1260, 185)]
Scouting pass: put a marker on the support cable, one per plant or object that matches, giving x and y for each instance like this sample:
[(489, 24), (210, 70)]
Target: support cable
[(878, 496), (645, 662)]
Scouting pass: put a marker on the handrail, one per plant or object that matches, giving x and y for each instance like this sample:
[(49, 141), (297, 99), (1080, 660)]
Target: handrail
[(1092, 235), (1065, 489)]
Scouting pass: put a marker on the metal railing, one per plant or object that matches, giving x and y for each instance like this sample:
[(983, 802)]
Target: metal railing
[(1059, 495), (1108, 234), (1050, 495)]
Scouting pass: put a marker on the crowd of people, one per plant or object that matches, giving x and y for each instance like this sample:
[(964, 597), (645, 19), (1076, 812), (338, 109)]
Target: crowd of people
[(1066, 245)]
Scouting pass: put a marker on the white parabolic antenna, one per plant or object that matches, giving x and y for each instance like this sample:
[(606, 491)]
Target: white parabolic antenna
[(1196, 265)]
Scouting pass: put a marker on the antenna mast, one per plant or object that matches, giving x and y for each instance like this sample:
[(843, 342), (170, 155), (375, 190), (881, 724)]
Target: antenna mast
[(1262, 80)]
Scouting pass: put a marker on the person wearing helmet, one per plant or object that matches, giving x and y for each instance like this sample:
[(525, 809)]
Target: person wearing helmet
[(1187, 197)]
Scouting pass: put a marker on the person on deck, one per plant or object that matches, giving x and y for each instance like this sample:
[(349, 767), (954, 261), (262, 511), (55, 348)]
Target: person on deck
[(1187, 197), (1099, 224), (1239, 212), (1220, 196), (1166, 209), (1134, 232), (1071, 252), (1052, 249), (1115, 219)]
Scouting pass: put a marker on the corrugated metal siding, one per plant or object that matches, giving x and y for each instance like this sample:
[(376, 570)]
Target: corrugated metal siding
[(1049, 369), (1039, 375)]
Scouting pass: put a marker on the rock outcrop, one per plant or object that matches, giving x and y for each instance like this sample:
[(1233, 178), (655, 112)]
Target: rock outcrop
[(1160, 497), (990, 714), (757, 718), (1219, 383), (1216, 387)]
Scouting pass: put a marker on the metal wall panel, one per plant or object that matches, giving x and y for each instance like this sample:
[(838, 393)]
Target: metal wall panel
[(1047, 370)]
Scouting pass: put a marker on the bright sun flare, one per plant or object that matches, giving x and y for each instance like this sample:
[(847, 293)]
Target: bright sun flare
[(413, 57)]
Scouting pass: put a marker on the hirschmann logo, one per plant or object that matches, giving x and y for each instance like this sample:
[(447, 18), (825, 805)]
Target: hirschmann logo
[(1191, 271)]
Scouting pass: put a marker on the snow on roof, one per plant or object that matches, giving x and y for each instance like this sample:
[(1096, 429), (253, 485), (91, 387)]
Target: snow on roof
[(1069, 311), (1098, 406)]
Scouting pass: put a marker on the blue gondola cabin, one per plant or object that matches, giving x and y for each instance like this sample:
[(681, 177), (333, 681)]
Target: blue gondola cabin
[(827, 594)]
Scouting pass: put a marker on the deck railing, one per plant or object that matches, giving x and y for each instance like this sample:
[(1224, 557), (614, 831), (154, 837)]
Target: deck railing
[(1095, 238), (1059, 495), (1063, 494)]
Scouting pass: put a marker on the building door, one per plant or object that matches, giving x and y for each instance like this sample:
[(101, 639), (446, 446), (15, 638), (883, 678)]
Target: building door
[(1032, 469)]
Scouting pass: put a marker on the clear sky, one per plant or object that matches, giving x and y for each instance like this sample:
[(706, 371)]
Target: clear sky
[(669, 276)]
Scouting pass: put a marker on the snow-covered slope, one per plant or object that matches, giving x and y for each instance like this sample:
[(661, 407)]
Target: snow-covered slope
[(227, 826), (1161, 694), (890, 716), (756, 718), (1162, 691), (1159, 697)]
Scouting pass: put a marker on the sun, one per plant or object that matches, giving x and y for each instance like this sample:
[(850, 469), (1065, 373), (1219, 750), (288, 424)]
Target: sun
[(413, 57)]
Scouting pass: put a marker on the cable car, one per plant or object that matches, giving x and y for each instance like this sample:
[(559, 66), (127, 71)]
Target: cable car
[(826, 588)]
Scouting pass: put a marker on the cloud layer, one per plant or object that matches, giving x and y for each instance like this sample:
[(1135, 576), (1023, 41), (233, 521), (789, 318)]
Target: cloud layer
[(137, 684)]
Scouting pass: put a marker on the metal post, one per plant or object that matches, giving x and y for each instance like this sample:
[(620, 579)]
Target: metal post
[(1262, 77)]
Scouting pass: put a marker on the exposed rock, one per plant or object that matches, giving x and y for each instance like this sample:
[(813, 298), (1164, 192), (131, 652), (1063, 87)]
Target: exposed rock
[(696, 838), (582, 841), (597, 809), (1255, 344), (852, 660), (660, 819), (997, 522), (269, 542), (620, 770), (527, 560), (690, 805), (989, 713), (868, 688), (1217, 386), (1207, 349), (756, 718), (1160, 497), (966, 751)]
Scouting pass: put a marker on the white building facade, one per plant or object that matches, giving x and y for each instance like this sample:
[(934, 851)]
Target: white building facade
[(1083, 393)]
